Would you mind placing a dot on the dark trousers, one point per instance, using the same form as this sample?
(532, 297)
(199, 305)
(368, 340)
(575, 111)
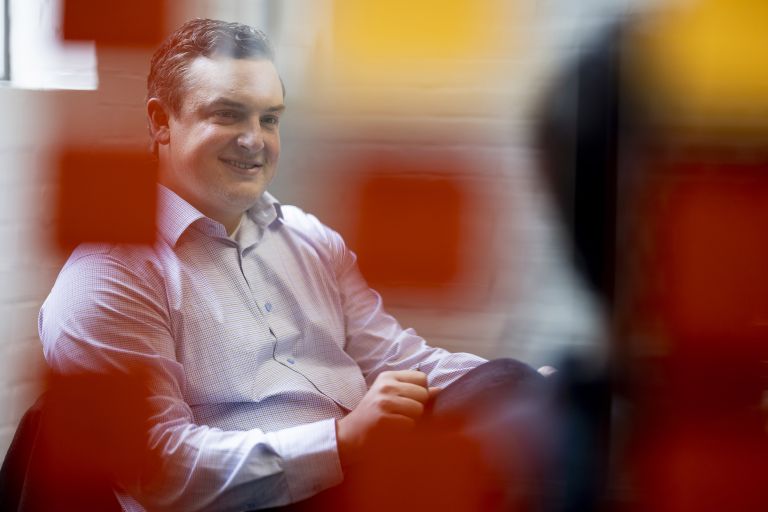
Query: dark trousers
(482, 445)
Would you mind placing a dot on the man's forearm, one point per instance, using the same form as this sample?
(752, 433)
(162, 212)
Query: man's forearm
(203, 468)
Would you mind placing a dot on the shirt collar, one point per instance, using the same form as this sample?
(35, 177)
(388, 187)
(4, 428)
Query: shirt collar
(175, 215)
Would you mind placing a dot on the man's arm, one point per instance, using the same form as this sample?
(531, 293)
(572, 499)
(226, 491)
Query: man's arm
(401, 370)
(102, 316)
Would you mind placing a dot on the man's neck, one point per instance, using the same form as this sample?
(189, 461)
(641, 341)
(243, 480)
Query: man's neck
(233, 227)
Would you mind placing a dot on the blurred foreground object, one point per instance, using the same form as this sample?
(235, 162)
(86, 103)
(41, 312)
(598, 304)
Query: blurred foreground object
(397, 30)
(138, 23)
(105, 196)
(409, 230)
(84, 435)
(694, 315)
(699, 63)
(656, 148)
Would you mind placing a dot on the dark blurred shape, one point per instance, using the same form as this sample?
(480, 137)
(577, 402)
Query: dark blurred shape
(668, 223)
(105, 196)
(137, 23)
(84, 434)
(409, 223)
(581, 123)
(578, 136)
(583, 406)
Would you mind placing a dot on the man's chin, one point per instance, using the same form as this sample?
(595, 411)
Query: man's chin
(245, 195)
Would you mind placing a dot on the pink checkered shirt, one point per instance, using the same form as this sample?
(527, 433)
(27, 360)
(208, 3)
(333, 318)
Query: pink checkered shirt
(256, 345)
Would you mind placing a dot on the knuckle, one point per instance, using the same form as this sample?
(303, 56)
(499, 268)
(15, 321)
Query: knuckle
(388, 388)
(389, 405)
(384, 404)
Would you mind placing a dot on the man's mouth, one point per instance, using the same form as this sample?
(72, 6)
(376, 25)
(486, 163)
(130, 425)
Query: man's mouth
(242, 165)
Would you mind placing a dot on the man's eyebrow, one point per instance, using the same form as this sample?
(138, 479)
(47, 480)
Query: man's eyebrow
(226, 102)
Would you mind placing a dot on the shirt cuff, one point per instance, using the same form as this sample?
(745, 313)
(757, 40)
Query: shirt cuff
(310, 458)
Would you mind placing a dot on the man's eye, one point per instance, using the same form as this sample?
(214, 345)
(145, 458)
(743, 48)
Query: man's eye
(270, 120)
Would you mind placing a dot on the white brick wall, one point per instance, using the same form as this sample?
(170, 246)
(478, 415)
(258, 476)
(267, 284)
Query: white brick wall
(525, 303)
(24, 138)
(32, 125)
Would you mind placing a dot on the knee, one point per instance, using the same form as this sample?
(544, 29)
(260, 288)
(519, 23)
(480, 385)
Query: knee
(507, 373)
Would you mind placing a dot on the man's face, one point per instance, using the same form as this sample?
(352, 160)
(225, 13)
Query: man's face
(223, 145)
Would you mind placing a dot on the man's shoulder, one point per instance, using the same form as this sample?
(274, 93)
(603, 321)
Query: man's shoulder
(311, 231)
(296, 218)
(100, 255)
(307, 225)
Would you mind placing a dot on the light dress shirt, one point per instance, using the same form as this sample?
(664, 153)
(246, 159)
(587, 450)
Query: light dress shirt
(256, 346)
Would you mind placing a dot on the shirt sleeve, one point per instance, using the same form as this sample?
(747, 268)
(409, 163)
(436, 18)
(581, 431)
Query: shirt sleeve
(375, 340)
(102, 316)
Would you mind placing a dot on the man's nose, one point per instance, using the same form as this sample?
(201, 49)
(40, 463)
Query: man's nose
(251, 138)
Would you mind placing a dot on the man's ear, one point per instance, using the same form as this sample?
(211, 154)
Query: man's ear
(159, 119)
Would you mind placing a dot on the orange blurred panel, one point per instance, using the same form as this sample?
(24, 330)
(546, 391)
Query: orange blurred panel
(86, 433)
(409, 224)
(106, 196)
(99, 420)
(401, 28)
(444, 471)
(708, 464)
(712, 252)
(699, 58)
(702, 301)
(116, 23)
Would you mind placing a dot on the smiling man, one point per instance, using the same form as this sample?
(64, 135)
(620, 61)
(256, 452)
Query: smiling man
(273, 365)
(219, 147)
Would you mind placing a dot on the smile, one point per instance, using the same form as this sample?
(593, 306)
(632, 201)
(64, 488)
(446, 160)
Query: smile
(241, 165)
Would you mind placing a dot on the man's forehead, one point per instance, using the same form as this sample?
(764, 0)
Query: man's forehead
(220, 67)
(225, 76)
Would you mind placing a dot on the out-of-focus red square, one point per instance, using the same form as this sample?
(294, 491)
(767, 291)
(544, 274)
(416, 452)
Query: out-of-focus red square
(409, 227)
(711, 254)
(114, 23)
(706, 463)
(106, 196)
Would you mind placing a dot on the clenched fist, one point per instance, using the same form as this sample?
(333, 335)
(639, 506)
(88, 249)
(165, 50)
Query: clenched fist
(393, 403)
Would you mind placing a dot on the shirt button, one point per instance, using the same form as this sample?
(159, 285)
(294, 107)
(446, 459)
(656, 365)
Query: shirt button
(291, 360)
(268, 306)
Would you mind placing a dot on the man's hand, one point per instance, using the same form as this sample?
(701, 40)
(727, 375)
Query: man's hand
(392, 405)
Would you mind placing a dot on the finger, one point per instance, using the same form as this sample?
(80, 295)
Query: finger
(411, 376)
(402, 406)
(396, 388)
(434, 391)
(412, 391)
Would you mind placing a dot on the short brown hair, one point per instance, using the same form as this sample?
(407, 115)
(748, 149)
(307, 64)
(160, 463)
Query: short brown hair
(196, 38)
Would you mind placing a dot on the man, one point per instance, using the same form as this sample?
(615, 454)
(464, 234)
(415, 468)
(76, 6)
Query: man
(273, 365)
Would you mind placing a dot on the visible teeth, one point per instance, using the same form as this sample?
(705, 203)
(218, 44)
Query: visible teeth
(240, 165)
